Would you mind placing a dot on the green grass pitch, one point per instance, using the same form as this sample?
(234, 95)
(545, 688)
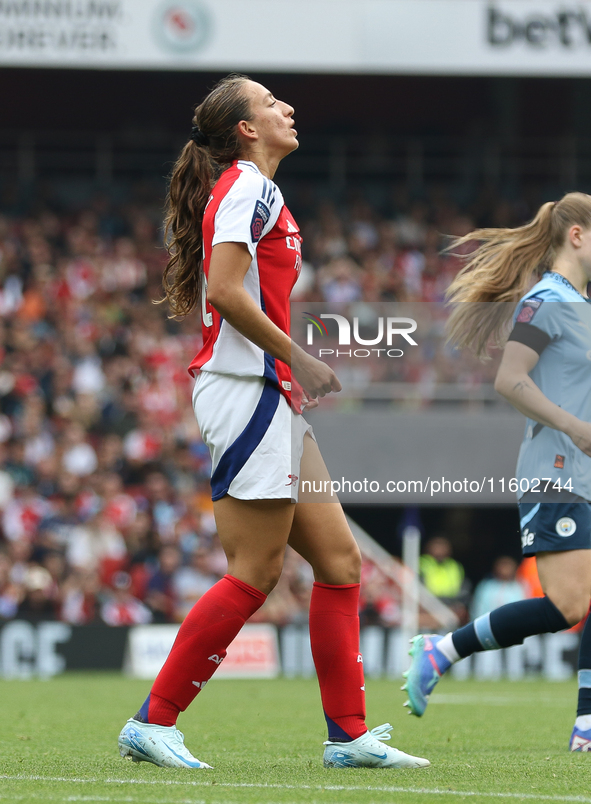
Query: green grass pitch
(486, 741)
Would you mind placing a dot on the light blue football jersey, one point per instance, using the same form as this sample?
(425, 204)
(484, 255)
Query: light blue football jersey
(563, 374)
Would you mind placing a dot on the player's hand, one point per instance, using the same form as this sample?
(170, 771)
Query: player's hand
(315, 376)
(580, 435)
(309, 404)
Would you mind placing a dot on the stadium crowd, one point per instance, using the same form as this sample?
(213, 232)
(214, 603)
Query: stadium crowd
(105, 508)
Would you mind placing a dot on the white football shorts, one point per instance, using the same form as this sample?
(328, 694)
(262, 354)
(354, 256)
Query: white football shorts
(254, 438)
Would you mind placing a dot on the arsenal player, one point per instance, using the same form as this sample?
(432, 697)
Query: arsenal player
(235, 247)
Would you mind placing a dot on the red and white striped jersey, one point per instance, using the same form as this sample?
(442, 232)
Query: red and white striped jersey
(245, 207)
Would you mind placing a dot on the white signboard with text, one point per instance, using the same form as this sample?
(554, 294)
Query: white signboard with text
(471, 37)
(253, 654)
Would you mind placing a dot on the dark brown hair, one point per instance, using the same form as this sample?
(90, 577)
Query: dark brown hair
(501, 269)
(191, 182)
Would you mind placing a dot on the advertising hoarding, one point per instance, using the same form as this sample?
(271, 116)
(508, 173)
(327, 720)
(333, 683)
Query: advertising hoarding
(463, 37)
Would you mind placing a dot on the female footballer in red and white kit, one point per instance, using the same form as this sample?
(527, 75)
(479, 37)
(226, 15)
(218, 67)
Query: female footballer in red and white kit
(235, 247)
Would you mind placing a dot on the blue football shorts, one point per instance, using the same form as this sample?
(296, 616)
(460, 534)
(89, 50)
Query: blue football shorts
(555, 526)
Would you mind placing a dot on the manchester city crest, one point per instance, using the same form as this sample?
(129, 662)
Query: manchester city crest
(566, 526)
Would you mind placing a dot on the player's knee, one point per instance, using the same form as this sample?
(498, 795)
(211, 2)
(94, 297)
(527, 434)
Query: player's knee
(349, 565)
(262, 572)
(354, 562)
(574, 609)
(338, 567)
(271, 574)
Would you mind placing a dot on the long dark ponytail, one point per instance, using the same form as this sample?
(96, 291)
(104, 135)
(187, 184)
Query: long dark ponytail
(214, 145)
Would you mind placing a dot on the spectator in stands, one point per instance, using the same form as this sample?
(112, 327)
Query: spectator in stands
(101, 462)
(160, 593)
(340, 281)
(379, 603)
(9, 591)
(191, 582)
(80, 604)
(121, 607)
(443, 575)
(38, 602)
(502, 587)
(281, 606)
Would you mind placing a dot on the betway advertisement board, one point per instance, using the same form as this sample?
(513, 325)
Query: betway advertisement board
(469, 37)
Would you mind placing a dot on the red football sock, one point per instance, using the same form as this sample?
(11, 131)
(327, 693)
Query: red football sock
(334, 635)
(200, 647)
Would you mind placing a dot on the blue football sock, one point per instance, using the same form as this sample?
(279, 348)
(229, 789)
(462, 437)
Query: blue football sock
(335, 733)
(509, 625)
(584, 706)
(142, 714)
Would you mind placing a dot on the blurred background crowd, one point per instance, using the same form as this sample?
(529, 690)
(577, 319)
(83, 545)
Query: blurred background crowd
(105, 508)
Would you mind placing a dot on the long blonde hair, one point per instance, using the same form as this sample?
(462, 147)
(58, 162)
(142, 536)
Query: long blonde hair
(501, 269)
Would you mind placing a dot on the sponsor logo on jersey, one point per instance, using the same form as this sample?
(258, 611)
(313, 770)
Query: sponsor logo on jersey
(294, 243)
(559, 462)
(260, 217)
(293, 479)
(215, 658)
(528, 310)
(527, 539)
(566, 526)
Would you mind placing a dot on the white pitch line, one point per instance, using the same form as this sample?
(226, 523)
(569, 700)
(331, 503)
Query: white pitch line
(118, 800)
(319, 787)
(494, 700)
(126, 800)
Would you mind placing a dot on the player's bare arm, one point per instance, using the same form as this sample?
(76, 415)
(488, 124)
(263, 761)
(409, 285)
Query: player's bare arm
(514, 383)
(225, 291)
